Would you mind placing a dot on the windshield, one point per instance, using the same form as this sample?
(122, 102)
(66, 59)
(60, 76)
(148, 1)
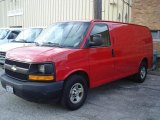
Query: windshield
(28, 35)
(66, 34)
(3, 33)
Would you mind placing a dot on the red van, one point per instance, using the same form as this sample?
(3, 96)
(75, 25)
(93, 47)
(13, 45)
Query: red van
(71, 57)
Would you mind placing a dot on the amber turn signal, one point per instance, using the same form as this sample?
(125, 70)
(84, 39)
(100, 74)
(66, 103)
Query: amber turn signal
(41, 78)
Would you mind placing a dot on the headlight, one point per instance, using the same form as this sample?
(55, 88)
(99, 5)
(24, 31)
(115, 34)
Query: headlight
(42, 72)
(41, 68)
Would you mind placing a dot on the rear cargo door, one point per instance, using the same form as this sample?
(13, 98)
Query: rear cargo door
(126, 50)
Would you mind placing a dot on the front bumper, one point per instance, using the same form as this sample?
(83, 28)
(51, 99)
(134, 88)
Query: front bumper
(33, 91)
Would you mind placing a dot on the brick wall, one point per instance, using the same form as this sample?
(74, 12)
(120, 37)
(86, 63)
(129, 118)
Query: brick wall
(147, 13)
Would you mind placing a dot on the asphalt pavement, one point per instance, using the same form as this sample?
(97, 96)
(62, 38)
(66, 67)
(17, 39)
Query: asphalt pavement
(119, 100)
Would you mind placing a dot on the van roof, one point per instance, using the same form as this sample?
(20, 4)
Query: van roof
(97, 20)
(43, 27)
(13, 28)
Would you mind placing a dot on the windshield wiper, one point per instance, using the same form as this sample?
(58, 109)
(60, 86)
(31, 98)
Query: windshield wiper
(20, 40)
(50, 44)
(36, 43)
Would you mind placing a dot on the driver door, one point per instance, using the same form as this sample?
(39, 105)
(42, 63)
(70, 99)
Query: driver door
(101, 59)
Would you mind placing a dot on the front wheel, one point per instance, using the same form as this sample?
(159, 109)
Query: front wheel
(74, 92)
(142, 73)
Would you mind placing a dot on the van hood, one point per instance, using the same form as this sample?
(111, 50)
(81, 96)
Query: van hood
(3, 41)
(38, 54)
(8, 46)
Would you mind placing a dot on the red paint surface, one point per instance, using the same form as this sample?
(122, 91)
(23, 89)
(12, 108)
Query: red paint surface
(131, 43)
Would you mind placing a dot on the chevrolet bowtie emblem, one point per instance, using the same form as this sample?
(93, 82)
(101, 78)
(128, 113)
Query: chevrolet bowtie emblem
(13, 68)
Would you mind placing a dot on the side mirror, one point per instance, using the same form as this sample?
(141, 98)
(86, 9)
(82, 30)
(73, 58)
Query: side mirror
(96, 40)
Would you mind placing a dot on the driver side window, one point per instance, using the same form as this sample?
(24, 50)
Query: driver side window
(101, 29)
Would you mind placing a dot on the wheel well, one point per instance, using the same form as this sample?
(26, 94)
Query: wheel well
(82, 73)
(145, 61)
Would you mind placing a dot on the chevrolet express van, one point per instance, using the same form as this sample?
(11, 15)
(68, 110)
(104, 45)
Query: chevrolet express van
(25, 38)
(8, 34)
(71, 57)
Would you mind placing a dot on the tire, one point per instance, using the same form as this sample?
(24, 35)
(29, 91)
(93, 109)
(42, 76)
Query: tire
(74, 92)
(142, 73)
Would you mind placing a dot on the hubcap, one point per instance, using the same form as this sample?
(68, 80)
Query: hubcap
(76, 93)
(143, 72)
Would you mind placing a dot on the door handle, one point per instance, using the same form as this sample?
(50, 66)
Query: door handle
(113, 53)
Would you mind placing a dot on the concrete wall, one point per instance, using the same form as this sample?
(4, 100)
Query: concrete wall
(30, 13)
(44, 12)
(3, 15)
(116, 10)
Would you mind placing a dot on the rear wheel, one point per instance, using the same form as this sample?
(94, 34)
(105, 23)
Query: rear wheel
(75, 92)
(142, 73)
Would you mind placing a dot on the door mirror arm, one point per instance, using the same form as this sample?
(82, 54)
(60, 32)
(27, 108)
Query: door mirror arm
(95, 40)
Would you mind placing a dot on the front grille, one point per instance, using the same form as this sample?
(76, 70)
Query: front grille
(18, 64)
(3, 54)
(17, 73)
(2, 57)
